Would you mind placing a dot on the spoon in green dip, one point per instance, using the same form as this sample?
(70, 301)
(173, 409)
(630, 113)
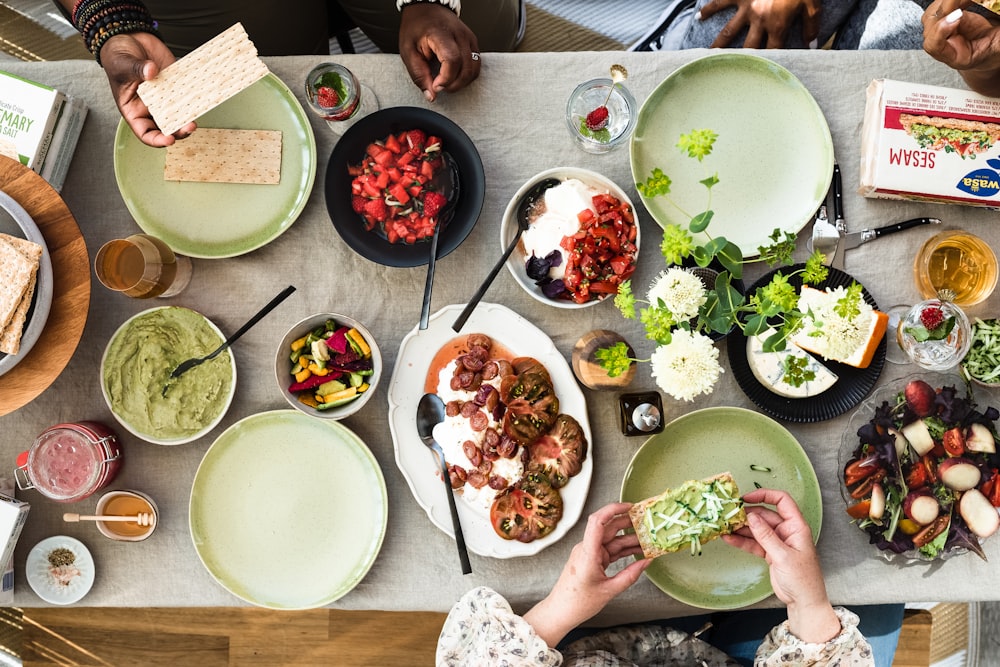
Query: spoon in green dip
(187, 365)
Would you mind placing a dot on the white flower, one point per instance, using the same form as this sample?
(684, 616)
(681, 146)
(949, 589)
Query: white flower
(687, 366)
(681, 291)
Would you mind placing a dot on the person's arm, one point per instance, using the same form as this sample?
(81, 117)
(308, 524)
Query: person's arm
(130, 52)
(965, 41)
(584, 588)
(767, 21)
(439, 51)
(481, 627)
(783, 538)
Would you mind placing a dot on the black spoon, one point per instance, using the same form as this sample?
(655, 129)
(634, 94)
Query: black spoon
(446, 182)
(523, 208)
(430, 413)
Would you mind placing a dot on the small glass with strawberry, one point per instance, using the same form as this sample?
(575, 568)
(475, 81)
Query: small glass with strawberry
(338, 97)
(601, 113)
(935, 334)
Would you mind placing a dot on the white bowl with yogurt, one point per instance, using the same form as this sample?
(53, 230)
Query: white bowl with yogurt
(549, 224)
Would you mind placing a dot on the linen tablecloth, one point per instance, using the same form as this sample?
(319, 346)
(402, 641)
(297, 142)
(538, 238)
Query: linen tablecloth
(515, 115)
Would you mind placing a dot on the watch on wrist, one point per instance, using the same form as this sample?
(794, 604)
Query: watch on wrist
(453, 5)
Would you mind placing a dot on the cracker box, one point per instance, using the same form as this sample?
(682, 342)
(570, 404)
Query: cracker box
(930, 143)
(13, 514)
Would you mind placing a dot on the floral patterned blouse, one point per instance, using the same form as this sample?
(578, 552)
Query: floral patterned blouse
(482, 629)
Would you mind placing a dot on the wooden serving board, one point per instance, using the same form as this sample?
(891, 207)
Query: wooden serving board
(70, 289)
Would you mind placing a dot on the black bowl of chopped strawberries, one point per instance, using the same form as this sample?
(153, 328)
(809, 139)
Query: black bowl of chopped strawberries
(381, 190)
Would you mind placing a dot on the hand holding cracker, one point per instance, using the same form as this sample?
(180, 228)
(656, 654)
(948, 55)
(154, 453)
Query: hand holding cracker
(129, 60)
(584, 587)
(783, 538)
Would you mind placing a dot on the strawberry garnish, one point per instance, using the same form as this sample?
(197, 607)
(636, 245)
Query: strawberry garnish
(327, 97)
(433, 202)
(931, 317)
(376, 210)
(597, 119)
(358, 203)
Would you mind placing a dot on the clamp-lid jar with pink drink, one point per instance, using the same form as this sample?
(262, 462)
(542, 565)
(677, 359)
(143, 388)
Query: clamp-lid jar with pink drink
(69, 462)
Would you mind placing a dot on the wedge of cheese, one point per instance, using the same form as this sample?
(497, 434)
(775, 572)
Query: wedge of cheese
(769, 369)
(852, 342)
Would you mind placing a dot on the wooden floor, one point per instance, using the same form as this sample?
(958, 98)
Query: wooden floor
(214, 637)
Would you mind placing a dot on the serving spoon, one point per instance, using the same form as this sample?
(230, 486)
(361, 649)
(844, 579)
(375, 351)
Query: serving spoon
(521, 216)
(430, 413)
(446, 182)
(187, 365)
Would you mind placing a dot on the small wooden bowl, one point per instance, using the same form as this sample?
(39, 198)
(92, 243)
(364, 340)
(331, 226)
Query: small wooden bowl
(586, 367)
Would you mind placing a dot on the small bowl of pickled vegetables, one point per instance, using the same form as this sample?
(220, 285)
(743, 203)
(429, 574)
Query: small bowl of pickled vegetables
(328, 366)
(982, 362)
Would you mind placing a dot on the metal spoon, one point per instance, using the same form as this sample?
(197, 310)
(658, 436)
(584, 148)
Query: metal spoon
(523, 209)
(185, 366)
(445, 182)
(430, 413)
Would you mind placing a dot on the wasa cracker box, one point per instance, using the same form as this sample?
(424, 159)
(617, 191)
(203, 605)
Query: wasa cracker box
(930, 144)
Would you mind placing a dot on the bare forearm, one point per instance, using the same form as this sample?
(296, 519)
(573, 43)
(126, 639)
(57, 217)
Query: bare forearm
(814, 623)
(550, 621)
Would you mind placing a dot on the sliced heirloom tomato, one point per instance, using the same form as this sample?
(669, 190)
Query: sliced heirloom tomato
(531, 401)
(560, 453)
(527, 511)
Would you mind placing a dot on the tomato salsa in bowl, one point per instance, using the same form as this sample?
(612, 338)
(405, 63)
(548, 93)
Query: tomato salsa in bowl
(581, 243)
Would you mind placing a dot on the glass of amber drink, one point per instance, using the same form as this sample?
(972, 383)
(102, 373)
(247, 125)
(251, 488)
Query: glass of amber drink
(142, 266)
(957, 263)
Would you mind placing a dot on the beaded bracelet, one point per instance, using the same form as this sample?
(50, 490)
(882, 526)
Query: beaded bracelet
(453, 5)
(100, 20)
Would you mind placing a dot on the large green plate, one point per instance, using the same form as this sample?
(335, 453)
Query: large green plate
(211, 220)
(774, 154)
(701, 444)
(288, 511)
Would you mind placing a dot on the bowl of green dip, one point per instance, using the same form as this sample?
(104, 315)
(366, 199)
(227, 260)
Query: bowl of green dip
(137, 364)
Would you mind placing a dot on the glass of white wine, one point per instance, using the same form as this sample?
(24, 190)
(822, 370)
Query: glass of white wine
(959, 262)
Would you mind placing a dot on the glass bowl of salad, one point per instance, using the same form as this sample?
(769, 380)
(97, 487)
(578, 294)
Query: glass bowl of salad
(581, 242)
(919, 468)
(328, 366)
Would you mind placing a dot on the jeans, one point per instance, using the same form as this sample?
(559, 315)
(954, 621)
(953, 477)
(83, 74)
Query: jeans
(738, 634)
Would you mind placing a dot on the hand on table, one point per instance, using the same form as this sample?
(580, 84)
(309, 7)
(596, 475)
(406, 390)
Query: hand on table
(584, 588)
(783, 538)
(964, 41)
(767, 21)
(128, 60)
(430, 35)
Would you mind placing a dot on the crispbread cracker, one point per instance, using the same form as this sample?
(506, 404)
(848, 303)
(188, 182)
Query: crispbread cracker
(650, 549)
(203, 79)
(15, 274)
(213, 155)
(10, 337)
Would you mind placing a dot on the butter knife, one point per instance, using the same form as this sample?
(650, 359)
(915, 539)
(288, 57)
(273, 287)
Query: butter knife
(854, 239)
(838, 218)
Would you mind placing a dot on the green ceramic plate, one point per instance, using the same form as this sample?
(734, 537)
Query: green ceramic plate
(774, 154)
(701, 444)
(288, 511)
(212, 220)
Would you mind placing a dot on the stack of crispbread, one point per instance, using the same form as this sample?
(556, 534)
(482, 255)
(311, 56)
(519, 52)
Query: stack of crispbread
(19, 259)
